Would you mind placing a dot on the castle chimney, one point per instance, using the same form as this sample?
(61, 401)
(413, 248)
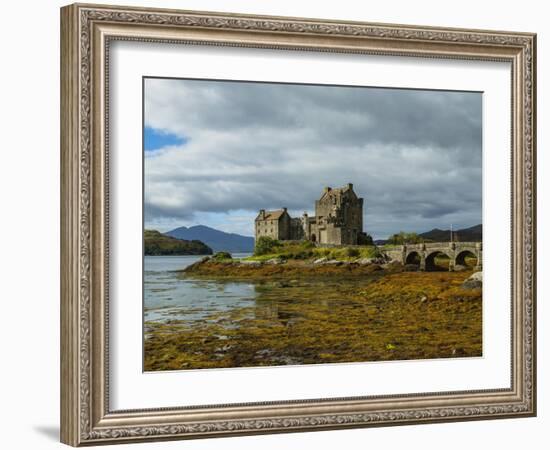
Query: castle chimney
(350, 185)
(284, 209)
(262, 213)
(327, 189)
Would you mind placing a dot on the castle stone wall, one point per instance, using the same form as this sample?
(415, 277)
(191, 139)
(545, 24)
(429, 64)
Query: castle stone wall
(338, 220)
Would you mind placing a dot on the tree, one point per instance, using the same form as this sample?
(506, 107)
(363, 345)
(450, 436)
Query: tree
(405, 238)
(364, 239)
(265, 245)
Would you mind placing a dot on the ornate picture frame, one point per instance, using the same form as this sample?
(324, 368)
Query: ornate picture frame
(87, 32)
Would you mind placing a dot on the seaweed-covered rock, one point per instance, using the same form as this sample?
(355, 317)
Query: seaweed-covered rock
(376, 260)
(196, 264)
(275, 261)
(475, 281)
(412, 268)
(392, 265)
(333, 262)
(251, 263)
(365, 261)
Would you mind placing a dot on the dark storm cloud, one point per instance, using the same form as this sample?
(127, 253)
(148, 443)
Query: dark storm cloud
(414, 155)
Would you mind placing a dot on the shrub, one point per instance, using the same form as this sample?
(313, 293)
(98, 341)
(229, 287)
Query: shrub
(364, 239)
(265, 245)
(324, 252)
(308, 244)
(352, 252)
(222, 255)
(299, 254)
(404, 238)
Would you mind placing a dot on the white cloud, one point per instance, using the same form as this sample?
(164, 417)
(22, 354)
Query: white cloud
(415, 156)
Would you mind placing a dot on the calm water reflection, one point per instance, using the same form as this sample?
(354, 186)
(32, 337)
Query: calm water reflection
(169, 297)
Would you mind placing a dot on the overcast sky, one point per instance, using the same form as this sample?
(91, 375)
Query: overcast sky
(216, 152)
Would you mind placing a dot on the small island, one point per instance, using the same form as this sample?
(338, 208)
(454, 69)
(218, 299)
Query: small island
(158, 244)
(273, 259)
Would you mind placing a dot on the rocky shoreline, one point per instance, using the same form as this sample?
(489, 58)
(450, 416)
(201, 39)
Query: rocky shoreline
(225, 268)
(324, 313)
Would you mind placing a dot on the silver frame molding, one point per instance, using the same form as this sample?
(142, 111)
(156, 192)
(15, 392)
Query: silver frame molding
(86, 32)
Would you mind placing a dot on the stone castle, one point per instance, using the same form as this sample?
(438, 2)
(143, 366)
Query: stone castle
(338, 220)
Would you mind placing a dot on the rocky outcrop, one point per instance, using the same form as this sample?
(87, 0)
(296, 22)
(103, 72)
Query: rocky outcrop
(275, 261)
(365, 261)
(475, 281)
(333, 262)
(251, 263)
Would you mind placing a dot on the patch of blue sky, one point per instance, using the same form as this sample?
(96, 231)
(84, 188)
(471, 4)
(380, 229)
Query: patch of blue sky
(155, 139)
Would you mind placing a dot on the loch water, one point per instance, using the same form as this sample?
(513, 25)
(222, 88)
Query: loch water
(169, 296)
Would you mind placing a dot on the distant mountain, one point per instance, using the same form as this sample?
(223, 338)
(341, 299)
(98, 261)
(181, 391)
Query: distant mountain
(216, 239)
(156, 244)
(472, 234)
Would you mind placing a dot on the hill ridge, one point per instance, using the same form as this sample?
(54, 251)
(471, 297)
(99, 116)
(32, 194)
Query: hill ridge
(216, 239)
(157, 244)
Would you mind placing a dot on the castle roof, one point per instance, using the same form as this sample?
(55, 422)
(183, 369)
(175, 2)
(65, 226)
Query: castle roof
(272, 215)
(336, 192)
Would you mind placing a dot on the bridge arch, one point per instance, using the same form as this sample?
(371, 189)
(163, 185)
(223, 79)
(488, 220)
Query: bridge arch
(413, 257)
(430, 259)
(457, 252)
(466, 253)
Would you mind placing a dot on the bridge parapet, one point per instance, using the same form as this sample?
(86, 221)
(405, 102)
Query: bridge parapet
(430, 245)
(456, 251)
(466, 245)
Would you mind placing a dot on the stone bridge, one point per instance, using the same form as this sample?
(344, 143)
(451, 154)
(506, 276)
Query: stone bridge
(427, 252)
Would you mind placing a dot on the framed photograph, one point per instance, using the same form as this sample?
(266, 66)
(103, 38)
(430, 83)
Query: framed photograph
(276, 224)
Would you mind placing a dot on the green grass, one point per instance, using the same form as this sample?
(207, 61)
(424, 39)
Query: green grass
(307, 251)
(222, 256)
